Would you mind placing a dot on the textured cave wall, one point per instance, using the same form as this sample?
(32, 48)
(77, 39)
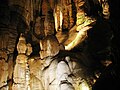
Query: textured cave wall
(110, 78)
(58, 35)
(13, 21)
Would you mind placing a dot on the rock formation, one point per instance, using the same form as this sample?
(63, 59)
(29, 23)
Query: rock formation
(54, 44)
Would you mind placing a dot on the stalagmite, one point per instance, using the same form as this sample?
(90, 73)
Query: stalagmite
(21, 74)
(63, 72)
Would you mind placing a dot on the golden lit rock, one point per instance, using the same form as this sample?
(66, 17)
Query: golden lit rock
(49, 26)
(56, 44)
(49, 47)
(3, 73)
(21, 46)
(29, 49)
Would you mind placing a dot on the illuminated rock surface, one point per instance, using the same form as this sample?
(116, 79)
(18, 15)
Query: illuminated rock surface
(57, 44)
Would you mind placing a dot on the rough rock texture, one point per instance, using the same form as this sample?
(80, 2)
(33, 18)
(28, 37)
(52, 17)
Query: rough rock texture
(21, 75)
(4, 73)
(54, 44)
(56, 74)
(49, 47)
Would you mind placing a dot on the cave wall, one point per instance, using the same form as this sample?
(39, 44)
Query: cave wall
(42, 40)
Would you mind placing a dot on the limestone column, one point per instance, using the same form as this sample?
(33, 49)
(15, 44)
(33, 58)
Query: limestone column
(21, 74)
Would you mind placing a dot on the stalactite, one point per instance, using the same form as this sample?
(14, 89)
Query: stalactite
(58, 15)
(49, 26)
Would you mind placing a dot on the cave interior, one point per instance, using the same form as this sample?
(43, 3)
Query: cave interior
(39, 35)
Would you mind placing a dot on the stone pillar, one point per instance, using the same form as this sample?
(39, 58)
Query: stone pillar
(35, 66)
(64, 80)
(21, 75)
